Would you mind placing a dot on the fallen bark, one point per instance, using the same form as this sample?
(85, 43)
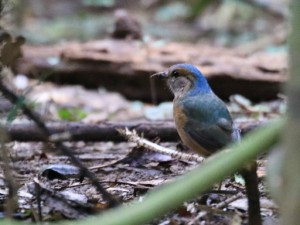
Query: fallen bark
(125, 66)
(106, 131)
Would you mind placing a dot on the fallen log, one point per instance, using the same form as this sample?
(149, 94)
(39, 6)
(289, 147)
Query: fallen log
(125, 67)
(106, 131)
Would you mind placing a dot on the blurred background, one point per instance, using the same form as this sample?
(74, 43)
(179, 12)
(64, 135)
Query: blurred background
(114, 46)
(229, 23)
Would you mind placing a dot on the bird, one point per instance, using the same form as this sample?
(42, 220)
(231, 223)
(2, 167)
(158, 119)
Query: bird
(202, 119)
(204, 123)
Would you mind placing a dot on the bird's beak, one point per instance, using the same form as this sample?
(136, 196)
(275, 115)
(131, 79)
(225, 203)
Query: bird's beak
(160, 75)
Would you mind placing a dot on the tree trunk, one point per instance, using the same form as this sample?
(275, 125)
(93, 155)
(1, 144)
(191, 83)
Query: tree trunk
(290, 198)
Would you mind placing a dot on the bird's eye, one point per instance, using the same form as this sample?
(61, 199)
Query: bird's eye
(175, 73)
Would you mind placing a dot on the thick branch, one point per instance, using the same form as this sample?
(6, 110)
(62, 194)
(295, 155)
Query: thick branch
(107, 131)
(103, 62)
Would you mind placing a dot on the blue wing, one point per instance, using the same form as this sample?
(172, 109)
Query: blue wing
(211, 137)
(209, 123)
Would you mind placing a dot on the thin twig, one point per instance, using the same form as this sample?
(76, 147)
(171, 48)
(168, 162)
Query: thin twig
(228, 200)
(12, 199)
(141, 142)
(38, 199)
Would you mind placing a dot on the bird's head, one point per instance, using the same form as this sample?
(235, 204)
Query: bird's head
(185, 79)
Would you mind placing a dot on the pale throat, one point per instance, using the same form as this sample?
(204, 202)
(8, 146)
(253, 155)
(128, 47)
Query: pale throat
(180, 86)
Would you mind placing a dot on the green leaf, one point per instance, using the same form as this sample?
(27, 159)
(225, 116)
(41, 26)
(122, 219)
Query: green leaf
(71, 114)
(14, 111)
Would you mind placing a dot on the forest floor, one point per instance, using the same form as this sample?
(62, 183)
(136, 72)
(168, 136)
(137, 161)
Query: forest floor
(123, 169)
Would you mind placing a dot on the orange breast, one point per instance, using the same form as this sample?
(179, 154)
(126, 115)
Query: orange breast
(180, 121)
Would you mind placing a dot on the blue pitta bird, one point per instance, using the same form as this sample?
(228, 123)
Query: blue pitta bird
(204, 123)
(202, 119)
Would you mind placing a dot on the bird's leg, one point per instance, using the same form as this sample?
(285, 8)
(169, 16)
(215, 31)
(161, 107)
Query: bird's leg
(251, 180)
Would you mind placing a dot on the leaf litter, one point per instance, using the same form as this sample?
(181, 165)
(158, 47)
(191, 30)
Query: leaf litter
(125, 171)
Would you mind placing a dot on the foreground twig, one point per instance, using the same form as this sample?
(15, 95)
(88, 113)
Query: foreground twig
(141, 142)
(59, 145)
